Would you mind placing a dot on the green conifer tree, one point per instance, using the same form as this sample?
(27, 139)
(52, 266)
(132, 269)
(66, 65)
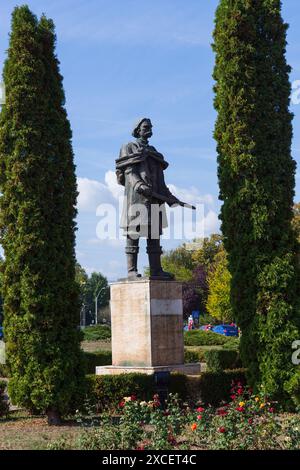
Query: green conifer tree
(38, 185)
(257, 178)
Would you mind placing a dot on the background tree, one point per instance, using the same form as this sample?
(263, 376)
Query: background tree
(218, 280)
(97, 284)
(296, 220)
(37, 224)
(257, 178)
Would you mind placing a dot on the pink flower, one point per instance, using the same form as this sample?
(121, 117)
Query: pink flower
(240, 391)
(200, 409)
(233, 397)
(271, 410)
(199, 417)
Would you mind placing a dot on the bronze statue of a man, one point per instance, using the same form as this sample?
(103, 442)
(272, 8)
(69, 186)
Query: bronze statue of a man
(140, 169)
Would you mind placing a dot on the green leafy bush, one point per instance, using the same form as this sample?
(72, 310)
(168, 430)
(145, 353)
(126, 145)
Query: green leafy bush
(106, 391)
(232, 343)
(4, 408)
(97, 358)
(215, 387)
(4, 370)
(203, 338)
(109, 390)
(96, 333)
(219, 359)
(191, 356)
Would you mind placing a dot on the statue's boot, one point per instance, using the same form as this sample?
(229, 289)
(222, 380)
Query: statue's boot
(154, 251)
(132, 266)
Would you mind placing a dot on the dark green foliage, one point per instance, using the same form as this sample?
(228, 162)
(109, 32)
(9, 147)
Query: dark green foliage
(219, 359)
(98, 358)
(215, 387)
(190, 356)
(109, 390)
(37, 224)
(232, 343)
(4, 372)
(96, 332)
(203, 338)
(257, 178)
(4, 408)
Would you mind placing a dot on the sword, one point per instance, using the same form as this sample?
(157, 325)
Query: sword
(163, 198)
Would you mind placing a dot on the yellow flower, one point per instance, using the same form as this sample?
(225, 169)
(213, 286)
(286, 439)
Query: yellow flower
(256, 399)
(262, 405)
(241, 403)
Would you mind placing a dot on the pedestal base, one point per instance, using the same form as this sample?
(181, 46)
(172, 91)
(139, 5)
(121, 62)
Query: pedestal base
(147, 328)
(188, 369)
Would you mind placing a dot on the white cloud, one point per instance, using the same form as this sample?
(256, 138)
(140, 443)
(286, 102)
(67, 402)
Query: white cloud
(92, 193)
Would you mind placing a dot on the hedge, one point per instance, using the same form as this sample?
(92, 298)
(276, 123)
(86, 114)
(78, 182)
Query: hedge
(4, 408)
(204, 338)
(97, 358)
(214, 387)
(106, 391)
(219, 359)
(96, 333)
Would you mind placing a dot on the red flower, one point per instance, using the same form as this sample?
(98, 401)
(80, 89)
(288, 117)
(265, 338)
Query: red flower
(222, 429)
(122, 404)
(233, 397)
(250, 420)
(200, 409)
(240, 391)
(133, 397)
(271, 410)
(240, 408)
(222, 412)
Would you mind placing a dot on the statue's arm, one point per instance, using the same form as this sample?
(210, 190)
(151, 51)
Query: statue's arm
(135, 181)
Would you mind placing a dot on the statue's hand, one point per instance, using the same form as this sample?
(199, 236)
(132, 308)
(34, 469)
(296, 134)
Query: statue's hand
(173, 200)
(144, 190)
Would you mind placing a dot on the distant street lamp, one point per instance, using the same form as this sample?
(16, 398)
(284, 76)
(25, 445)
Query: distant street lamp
(96, 304)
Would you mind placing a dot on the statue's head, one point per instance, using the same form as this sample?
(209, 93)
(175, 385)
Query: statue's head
(143, 128)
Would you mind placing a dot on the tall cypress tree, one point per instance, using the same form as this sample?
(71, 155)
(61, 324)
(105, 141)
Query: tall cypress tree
(257, 178)
(37, 223)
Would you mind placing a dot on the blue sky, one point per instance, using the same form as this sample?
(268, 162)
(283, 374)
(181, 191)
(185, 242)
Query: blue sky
(123, 59)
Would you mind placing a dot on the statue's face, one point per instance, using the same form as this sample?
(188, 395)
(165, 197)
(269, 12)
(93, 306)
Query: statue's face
(145, 129)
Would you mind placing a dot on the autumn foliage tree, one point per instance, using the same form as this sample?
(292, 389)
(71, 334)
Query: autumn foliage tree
(257, 179)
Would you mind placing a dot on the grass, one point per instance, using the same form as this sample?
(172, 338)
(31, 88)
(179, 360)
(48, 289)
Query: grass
(22, 431)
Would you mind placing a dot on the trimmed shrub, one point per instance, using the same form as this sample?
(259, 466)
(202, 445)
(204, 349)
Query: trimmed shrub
(4, 370)
(37, 225)
(214, 387)
(96, 333)
(257, 185)
(233, 343)
(203, 338)
(4, 408)
(191, 356)
(219, 359)
(108, 390)
(97, 358)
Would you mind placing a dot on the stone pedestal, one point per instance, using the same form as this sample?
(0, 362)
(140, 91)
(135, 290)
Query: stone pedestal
(147, 328)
